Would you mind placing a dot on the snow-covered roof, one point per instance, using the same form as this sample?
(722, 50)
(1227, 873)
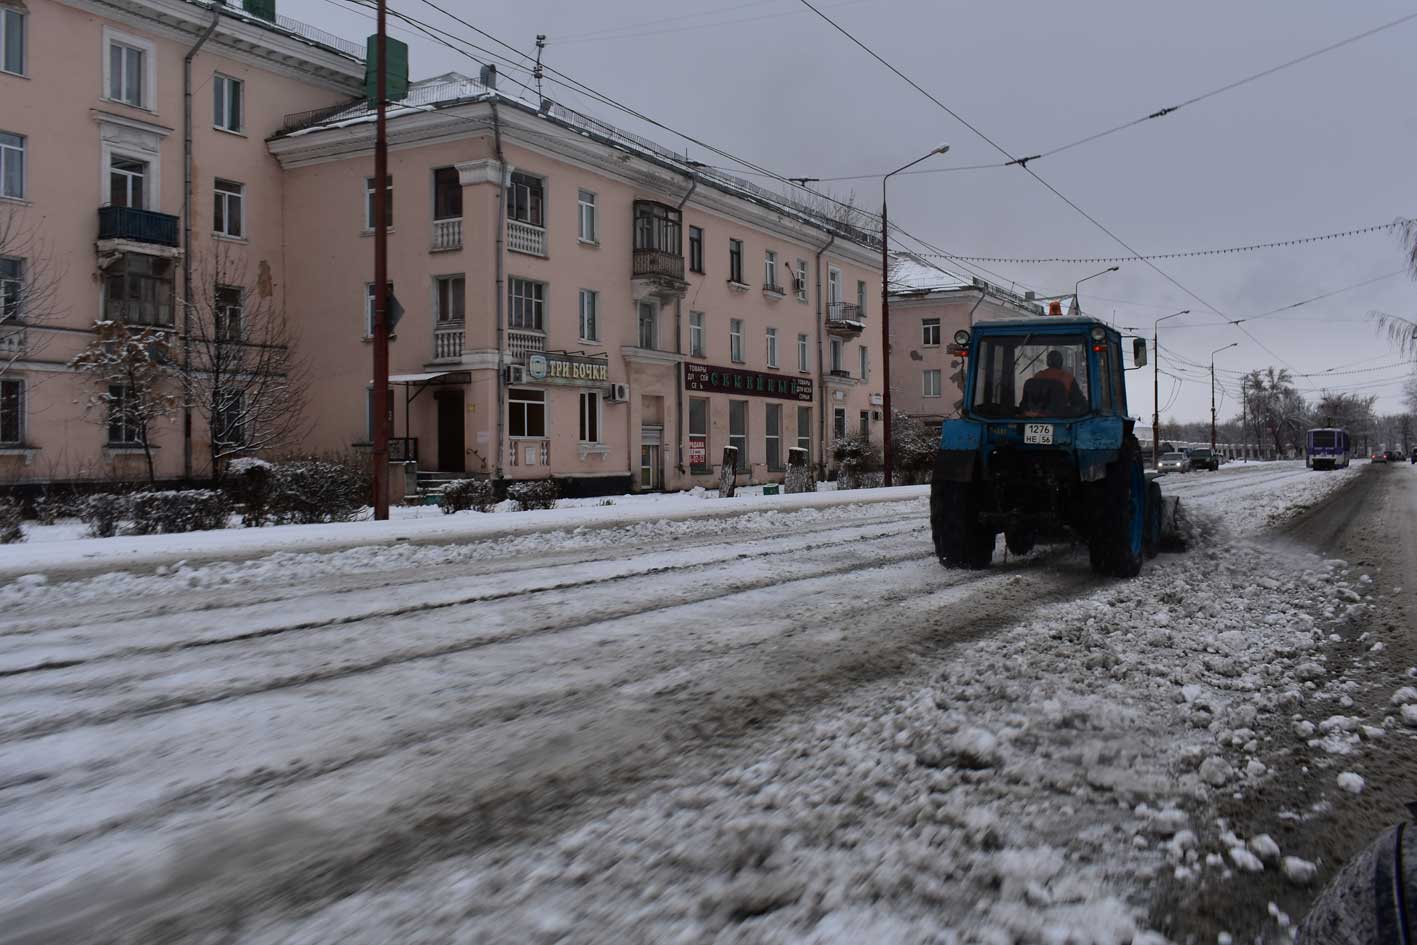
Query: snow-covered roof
(912, 273)
(453, 89)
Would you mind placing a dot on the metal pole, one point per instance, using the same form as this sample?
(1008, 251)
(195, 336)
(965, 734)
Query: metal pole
(381, 279)
(1155, 397)
(1244, 421)
(1212, 403)
(889, 453)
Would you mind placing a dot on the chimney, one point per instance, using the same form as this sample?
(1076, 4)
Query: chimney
(488, 77)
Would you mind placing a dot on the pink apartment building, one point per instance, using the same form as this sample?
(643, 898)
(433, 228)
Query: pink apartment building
(577, 302)
(928, 305)
(93, 161)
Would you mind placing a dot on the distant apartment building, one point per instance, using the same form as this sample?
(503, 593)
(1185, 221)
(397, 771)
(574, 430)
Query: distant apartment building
(578, 302)
(928, 306)
(106, 203)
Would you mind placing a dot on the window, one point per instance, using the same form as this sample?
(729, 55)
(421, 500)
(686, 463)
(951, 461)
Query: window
(735, 340)
(12, 411)
(227, 111)
(369, 202)
(12, 165)
(772, 435)
(227, 215)
(772, 347)
(735, 261)
(865, 424)
(696, 334)
(865, 362)
(369, 306)
(861, 297)
(834, 285)
(738, 431)
(799, 280)
(802, 354)
(447, 194)
(528, 303)
(450, 297)
(369, 411)
(698, 435)
(585, 205)
(590, 417)
(229, 420)
(1007, 378)
(127, 74)
(930, 332)
(657, 228)
(227, 315)
(804, 430)
(526, 413)
(837, 352)
(526, 202)
(839, 423)
(932, 383)
(770, 270)
(12, 41)
(127, 182)
(138, 290)
(123, 427)
(648, 325)
(588, 328)
(12, 286)
(696, 249)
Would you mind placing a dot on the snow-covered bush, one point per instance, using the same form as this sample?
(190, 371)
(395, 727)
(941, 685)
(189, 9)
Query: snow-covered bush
(103, 512)
(10, 515)
(535, 493)
(856, 458)
(913, 448)
(51, 507)
(169, 512)
(249, 482)
(800, 476)
(309, 491)
(476, 494)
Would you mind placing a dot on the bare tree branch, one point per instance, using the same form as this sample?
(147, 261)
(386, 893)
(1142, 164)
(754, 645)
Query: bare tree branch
(30, 277)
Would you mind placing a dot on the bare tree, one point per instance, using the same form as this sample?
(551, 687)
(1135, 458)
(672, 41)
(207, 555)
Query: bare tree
(30, 276)
(138, 384)
(1409, 394)
(1275, 406)
(1402, 332)
(245, 382)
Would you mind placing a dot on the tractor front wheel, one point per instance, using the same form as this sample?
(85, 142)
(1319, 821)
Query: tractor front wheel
(961, 540)
(1118, 542)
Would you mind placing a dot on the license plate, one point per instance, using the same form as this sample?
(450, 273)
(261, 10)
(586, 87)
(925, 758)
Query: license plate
(1039, 433)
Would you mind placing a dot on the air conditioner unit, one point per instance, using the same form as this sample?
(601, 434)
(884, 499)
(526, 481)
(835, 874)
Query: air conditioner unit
(618, 393)
(516, 374)
(798, 285)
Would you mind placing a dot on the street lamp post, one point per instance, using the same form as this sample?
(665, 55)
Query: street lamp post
(888, 452)
(1077, 306)
(1156, 386)
(1212, 390)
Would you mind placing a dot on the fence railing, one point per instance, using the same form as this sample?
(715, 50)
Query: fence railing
(447, 234)
(525, 238)
(658, 263)
(522, 343)
(140, 226)
(448, 341)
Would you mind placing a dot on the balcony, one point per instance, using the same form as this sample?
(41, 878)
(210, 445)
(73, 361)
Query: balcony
(525, 238)
(448, 341)
(774, 291)
(522, 343)
(657, 274)
(137, 226)
(447, 235)
(844, 319)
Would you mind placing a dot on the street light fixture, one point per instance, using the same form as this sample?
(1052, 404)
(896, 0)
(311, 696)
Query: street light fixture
(1212, 390)
(888, 452)
(1156, 386)
(1076, 305)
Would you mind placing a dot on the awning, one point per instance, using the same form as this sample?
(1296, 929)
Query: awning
(420, 378)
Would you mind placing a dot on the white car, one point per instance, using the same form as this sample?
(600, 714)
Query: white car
(1174, 462)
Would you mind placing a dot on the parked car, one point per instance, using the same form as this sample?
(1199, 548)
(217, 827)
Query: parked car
(1174, 462)
(1204, 459)
(1378, 458)
(1394, 456)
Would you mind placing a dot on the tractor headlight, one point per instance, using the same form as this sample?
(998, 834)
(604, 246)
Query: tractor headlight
(961, 337)
(1098, 333)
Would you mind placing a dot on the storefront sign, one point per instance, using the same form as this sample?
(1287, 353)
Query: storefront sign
(566, 369)
(698, 451)
(718, 380)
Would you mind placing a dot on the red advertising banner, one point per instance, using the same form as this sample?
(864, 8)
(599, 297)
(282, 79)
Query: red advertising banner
(698, 452)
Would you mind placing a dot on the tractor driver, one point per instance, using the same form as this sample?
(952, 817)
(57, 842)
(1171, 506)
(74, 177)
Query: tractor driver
(1053, 391)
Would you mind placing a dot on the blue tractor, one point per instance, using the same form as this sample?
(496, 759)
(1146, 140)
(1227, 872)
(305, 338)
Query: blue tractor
(1044, 448)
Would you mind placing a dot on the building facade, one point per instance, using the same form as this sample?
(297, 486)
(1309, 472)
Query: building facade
(576, 302)
(98, 222)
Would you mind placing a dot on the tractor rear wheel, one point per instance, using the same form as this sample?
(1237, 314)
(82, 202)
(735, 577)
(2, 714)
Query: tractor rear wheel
(961, 540)
(1117, 545)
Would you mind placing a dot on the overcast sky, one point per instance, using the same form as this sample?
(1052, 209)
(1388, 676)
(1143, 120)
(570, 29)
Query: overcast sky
(1327, 145)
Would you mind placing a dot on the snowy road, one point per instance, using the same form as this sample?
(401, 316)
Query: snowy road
(344, 746)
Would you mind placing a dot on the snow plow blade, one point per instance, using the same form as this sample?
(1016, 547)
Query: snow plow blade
(1175, 531)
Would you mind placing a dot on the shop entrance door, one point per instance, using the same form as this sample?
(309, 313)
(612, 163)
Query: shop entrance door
(452, 443)
(650, 455)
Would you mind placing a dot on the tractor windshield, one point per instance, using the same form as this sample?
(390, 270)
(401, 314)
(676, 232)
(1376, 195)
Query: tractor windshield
(1034, 375)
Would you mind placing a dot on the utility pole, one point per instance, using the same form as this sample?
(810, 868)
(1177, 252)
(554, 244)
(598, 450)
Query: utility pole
(1244, 420)
(1156, 386)
(1212, 390)
(381, 274)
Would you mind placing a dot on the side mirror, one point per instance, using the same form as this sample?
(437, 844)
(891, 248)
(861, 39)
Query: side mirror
(1139, 352)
